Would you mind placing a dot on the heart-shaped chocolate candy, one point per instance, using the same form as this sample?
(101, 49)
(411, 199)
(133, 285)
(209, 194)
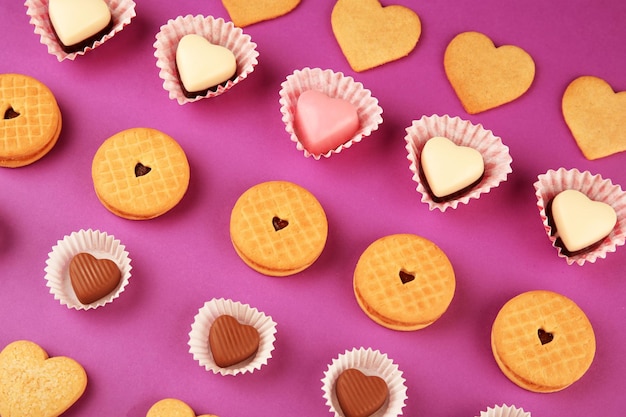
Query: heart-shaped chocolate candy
(360, 395)
(484, 76)
(232, 342)
(323, 123)
(77, 20)
(596, 116)
(93, 278)
(32, 384)
(579, 221)
(202, 65)
(448, 167)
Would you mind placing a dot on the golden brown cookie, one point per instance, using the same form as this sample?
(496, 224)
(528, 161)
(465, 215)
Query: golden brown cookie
(171, 407)
(371, 35)
(33, 384)
(596, 116)
(278, 228)
(542, 341)
(484, 76)
(246, 12)
(140, 173)
(30, 120)
(404, 282)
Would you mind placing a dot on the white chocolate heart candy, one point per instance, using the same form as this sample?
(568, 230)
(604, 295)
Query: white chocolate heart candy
(202, 65)
(581, 222)
(77, 20)
(449, 167)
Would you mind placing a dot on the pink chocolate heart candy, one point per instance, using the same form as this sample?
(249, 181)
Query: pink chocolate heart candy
(323, 123)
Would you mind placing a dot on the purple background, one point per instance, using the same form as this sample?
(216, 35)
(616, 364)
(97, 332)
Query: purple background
(135, 350)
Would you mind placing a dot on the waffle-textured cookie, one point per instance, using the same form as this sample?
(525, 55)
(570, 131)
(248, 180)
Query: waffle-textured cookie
(542, 341)
(33, 384)
(404, 282)
(30, 120)
(140, 173)
(278, 228)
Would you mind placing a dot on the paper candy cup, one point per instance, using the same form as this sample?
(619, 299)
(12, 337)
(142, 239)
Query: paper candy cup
(98, 244)
(334, 85)
(595, 188)
(122, 12)
(218, 32)
(463, 133)
(199, 335)
(504, 411)
(370, 362)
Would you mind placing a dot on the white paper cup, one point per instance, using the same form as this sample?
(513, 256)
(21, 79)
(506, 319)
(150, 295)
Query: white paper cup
(495, 154)
(596, 188)
(99, 245)
(369, 362)
(334, 85)
(122, 12)
(504, 411)
(199, 335)
(216, 31)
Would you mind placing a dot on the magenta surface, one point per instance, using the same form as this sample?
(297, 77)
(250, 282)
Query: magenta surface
(135, 350)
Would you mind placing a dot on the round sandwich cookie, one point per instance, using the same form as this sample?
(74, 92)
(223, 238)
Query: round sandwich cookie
(30, 120)
(140, 173)
(542, 341)
(278, 228)
(404, 282)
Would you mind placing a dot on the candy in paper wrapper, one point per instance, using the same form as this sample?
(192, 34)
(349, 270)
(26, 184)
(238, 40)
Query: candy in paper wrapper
(98, 244)
(199, 335)
(217, 32)
(504, 411)
(495, 154)
(122, 12)
(335, 85)
(370, 363)
(595, 188)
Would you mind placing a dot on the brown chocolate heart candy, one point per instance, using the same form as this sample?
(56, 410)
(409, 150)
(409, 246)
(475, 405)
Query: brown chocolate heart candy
(232, 342)
(93, 278)
(360, 395)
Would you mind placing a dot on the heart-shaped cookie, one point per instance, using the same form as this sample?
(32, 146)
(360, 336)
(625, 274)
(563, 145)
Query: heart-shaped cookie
(232, 342)
(323, 123)
(77, 20)
(247, 12)
(171, 407)
(360, 395)
(579, 221)
(32, 384)
(93, 278)
(370, 35)
(596, 116)
(484, 76)
(448, 167)
(202, 65)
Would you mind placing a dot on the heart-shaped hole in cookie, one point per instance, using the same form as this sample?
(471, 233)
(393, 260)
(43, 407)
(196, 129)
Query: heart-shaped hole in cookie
(279, 223)
(141, 169)
(10, 113)
(406, 277)
(544, 337)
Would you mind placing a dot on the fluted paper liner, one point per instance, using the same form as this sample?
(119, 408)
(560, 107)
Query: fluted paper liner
(595, 188)
(334, 85)
(504, 411)
(199, 335)
(216, 31)
(369, 362)
(495, 154)
(99, 245)
(122, 12)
